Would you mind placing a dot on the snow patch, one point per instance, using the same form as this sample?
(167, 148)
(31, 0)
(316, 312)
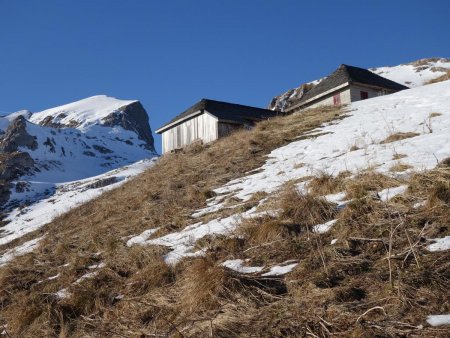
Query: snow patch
(237, 265)
(53, 277)
(19, 250)
(182, 242)
(279, 270)
(441, 244)
(371, 121)
(325, 227)
(413, 75)
(438, 320)
(140, 239)
(336, 198)
(389, 193)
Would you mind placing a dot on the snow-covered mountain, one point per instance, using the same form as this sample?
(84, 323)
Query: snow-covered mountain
(413, 74)
(86, 115)
(72, 148)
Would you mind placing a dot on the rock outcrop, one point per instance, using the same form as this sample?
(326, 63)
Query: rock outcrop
(132, 117)
(14, 165)
(5, 191)
(16, 136)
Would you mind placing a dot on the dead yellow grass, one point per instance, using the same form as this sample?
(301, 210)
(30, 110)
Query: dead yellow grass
(327, 294)
(266, 229)
(325, 184)
(435, 114)
(377, 280)
(164, 196)
(441, 78)
(304, 209)
(368, 183)
(398, 137)
(357, 287)
(203, 285)
(399, 167)
(398, 156)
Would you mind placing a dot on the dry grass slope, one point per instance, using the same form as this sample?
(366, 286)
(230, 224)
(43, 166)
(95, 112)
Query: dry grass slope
(165, 196)
(377, 280)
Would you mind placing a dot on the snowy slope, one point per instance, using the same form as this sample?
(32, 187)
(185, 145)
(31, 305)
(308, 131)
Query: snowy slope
(65, 196)
(423, 110)
(67, 154)
(369, 123)
(415, 73)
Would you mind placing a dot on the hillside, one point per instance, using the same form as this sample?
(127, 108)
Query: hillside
(416, 73)
(330, 222)
(412, 74)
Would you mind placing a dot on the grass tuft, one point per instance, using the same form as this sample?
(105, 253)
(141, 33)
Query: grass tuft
(304, 209)
(204, 285)
(398, 137)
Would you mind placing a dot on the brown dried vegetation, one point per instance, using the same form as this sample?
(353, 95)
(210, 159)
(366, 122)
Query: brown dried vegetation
(377, 280)
(443, 77)
(399, 166)
(398, 137)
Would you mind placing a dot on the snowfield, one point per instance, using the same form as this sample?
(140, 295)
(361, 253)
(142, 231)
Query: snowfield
(413, 74)
(424, 111)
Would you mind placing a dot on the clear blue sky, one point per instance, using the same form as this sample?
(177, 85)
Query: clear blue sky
(169, 54)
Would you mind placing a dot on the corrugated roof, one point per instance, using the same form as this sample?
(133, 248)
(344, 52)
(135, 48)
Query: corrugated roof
(346, 73)
(224, 111)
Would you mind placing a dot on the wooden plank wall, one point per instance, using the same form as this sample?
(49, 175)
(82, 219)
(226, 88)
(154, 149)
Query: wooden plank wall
(202, 127)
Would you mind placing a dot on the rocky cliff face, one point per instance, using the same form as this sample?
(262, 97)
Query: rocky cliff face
(285, 100)
(14, 165)
(132, 117)
(16, 136)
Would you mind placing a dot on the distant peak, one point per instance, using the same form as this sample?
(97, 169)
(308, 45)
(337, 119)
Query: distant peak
(82, 113)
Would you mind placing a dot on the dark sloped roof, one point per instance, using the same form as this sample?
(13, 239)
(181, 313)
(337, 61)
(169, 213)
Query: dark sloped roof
(346, 73)
(224, 111)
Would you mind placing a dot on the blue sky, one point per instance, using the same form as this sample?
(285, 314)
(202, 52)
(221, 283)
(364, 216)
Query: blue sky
(169, 54)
